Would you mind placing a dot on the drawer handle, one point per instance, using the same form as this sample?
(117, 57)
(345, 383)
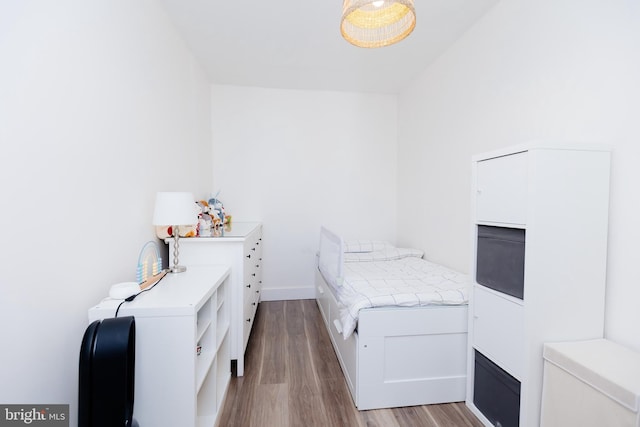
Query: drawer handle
(257, 265)
(249, 285)
(253, 303)
(249, 256)
(253, 274)
(249, 320)
(257, 292)
(253, 249)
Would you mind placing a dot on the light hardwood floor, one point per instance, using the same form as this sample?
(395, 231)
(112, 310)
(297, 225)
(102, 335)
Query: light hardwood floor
(293, 378)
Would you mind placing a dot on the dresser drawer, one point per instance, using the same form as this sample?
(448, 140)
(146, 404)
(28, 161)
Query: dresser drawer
(250, 260)
(498, 325)
(248, 324)
(252, 285)
(257, 293)
(253, 246)
(251, 268)
(250, 306)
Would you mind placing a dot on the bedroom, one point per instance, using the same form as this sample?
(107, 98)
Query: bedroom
(94, 103)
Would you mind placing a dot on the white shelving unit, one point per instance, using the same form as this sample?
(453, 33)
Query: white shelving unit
(183, 364)
(559, 196)
(241, 248)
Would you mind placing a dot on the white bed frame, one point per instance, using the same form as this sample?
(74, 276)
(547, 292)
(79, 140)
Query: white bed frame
(399, 356)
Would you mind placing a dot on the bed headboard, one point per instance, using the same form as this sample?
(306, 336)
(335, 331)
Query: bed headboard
(330, 257)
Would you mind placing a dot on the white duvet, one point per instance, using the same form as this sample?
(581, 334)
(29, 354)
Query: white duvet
(408, 281)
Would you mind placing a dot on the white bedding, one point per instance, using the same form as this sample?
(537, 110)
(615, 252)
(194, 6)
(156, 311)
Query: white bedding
(407, 281)
(386, 253)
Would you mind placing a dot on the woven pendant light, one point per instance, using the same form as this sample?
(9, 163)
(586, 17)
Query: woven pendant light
(377, 23)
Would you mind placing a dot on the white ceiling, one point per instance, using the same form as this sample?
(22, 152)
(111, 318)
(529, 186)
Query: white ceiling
(296, 44)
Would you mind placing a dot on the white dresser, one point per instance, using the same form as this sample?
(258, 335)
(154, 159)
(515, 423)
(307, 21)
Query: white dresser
(540, 218)
(241, 248)
(182, 360)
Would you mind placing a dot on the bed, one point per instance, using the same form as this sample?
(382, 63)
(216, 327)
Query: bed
(398, 323)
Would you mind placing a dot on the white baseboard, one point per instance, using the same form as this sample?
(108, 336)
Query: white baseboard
(281, 294)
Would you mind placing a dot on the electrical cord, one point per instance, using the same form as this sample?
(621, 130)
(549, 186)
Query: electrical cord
(134, 296)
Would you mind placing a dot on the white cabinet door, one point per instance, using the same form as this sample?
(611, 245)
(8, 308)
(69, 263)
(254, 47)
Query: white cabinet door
(498, 325)
(502, 189)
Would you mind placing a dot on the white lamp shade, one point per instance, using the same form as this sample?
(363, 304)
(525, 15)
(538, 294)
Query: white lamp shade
(174, 208)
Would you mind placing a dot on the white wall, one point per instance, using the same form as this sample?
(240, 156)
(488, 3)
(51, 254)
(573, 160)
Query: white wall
(299, 159)
(553, 69)
(101, 105)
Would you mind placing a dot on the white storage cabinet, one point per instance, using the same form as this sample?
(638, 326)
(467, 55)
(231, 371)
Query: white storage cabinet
(556, 200)
(591, 383)
(240, 248)
(175, 384)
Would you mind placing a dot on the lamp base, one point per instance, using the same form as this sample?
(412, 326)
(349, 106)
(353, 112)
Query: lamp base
(178, 269)
(176, 244)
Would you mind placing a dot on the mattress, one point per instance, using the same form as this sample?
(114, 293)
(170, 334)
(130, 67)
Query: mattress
(406, 282)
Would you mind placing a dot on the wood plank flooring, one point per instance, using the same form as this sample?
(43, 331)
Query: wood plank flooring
(293, 378)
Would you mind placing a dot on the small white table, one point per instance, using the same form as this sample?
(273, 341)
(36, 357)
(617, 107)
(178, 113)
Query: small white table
(182, 359)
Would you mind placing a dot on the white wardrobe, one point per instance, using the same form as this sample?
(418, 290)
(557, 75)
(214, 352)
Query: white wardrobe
(540, 220)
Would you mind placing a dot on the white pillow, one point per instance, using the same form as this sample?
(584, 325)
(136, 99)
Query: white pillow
(359, 246)
(386, 254)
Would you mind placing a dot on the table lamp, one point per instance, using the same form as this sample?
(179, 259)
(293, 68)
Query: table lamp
(175, 209)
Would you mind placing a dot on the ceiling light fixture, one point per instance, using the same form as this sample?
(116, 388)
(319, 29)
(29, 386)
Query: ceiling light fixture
(377, 23)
